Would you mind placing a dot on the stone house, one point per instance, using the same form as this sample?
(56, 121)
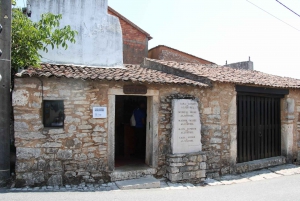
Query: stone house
(72, 115)
(84, 148)
(165, 53)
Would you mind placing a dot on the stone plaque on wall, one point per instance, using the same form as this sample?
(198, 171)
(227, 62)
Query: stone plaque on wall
(186, 126)
(134, 89)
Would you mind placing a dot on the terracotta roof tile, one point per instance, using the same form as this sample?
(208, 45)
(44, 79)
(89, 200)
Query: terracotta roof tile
(230, 75)
(132, 73)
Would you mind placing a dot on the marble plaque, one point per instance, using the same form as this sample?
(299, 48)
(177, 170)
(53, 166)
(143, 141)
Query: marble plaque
(186, 127)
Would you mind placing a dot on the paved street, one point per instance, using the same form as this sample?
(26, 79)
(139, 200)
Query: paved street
(278, 183)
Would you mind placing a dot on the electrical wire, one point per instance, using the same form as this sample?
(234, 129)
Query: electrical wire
(273, 16)
(288, 8)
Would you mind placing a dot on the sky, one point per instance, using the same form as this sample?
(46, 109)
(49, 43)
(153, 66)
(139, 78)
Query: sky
(222, 30)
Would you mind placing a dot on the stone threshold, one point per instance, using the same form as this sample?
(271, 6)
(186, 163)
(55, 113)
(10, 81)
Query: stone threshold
(140, 183)
(259, 164)
(135, 173)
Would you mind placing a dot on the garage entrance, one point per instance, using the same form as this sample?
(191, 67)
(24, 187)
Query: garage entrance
(258, 123)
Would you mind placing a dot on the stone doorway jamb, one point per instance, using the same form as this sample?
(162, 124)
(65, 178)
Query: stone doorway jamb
(152, 126)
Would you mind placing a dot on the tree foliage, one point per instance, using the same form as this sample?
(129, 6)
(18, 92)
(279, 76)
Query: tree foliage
(28, 38)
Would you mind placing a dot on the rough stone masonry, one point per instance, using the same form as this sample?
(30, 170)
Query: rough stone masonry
(186, 167)
(217, 121)
(75, 153)
(79, 151)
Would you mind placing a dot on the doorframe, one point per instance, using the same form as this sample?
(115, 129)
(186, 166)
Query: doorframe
(263, 143)
(287, 125)
(152, 126)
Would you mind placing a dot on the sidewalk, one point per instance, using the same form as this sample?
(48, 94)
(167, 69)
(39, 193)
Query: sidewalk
(269, 173)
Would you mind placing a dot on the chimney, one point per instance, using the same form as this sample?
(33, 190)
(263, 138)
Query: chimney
(246, 65)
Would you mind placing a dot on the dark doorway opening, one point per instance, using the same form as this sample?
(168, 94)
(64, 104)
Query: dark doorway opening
(130, 142)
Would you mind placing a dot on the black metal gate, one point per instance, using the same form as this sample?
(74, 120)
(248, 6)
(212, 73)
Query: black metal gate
(259, 127)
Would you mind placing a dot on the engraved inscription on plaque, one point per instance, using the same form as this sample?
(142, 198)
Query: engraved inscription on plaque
(186, 126)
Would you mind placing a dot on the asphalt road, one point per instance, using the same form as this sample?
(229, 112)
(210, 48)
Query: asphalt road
(284, 188)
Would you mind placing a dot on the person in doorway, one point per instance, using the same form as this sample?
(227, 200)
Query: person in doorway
(140, 129)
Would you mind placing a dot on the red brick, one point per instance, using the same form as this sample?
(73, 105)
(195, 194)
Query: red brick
(135, 40)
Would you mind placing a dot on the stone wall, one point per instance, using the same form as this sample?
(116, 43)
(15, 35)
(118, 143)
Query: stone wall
(79, 151)
(186, 167)
(75, 153)
(217, 123)
(297, 133)
(291, 117)
(289, 125)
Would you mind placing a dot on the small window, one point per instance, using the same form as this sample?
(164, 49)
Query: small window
(54, 113)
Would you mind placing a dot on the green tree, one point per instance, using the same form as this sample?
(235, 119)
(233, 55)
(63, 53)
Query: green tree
(28, 38)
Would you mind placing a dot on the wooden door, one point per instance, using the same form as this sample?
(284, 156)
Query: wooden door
(259, 127)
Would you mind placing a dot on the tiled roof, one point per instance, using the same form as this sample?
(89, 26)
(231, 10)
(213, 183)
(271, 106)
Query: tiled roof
(225, 74)
(165, 72)
(133, 73)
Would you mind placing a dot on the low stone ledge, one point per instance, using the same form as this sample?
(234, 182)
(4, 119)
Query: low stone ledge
(186, 167)
(189, 154)
(175, 155)
(259, 164)
(118, 175)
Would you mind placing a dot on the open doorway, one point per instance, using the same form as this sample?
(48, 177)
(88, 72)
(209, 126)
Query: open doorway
(130, 141)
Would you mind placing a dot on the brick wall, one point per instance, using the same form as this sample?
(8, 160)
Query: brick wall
(135, 43)
(169, 54)
(298, 132)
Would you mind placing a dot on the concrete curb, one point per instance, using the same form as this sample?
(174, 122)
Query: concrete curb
(268, 173)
